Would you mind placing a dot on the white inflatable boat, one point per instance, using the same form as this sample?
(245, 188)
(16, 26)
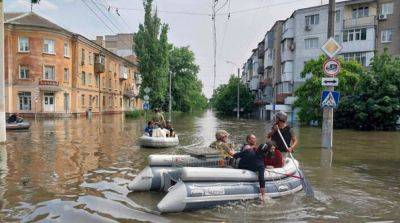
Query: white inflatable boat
(18, 126)
(158, 142)
(191, 188)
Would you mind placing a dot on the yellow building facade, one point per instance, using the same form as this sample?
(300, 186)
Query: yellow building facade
(51, 71)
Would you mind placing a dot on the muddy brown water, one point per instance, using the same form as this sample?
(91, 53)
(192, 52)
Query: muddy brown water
(77, 170)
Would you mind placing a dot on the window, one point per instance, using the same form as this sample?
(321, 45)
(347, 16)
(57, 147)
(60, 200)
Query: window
(83, 78)
(360, 57)
(337, 38)
(49, 73)
(360, 12)
(89, 81)
(66, 75)
(48, 46)
(97, 80)
(83, 56)
(311, 43)
(90, 100)
(387, 9)
(312, 19)
(90, 58)
(23, 44)
(354, 34)
(23, 72)
(386, 36)
(24, 101)
(66, 50)
(82, 100)
(97, 101)
(104, 101)
(337, 15)
(286, 88)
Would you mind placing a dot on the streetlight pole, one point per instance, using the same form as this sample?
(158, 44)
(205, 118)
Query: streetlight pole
(238, 89)
(2, 80)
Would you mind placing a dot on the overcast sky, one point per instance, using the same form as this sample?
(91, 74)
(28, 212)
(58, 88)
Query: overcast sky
(189, 21)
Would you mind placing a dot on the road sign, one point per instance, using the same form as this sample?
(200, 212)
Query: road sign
(146, 106)
(147, 90)
(330, 99)
(331, 47)
(330, 81)
(146, 97)
(331, 67)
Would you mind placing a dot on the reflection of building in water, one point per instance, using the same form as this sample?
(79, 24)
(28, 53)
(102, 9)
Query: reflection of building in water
(52, 71)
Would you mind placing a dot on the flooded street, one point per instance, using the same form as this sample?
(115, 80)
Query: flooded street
(77, 170)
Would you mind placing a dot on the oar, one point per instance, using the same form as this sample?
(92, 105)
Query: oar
(306, 185)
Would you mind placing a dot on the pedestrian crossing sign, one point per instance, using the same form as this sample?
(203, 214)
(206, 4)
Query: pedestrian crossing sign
(330, 99)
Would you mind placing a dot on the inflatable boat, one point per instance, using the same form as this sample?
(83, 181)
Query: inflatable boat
(158, 142)
(195, 187)
(18, 126)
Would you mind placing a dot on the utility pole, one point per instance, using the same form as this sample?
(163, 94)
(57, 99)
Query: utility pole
(238, 95)
(170, 97)
(2, 80)
(327, 123)
(215, 2)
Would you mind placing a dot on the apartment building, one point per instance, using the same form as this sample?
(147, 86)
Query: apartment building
(51, 71)
(388, 29)
(121, 44)
(361, 27)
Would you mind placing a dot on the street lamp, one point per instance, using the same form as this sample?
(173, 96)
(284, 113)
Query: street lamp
(238, 86)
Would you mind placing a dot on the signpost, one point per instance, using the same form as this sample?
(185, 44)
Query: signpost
(330, 81)
(331, 68)
(146, 104)
(330, 99)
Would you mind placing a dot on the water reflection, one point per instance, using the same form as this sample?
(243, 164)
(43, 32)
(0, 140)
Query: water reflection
(76, 170)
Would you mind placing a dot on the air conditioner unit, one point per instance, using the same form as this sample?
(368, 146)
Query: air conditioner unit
(382, 17)
(307, 27)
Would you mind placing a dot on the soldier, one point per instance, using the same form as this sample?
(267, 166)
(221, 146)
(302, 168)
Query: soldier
(221, 144)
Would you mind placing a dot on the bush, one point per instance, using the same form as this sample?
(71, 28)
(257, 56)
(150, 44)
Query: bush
(134, 114)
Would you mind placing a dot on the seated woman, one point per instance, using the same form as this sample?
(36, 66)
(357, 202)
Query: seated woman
(149, 128)
(251, 160)
(170, 130)
(272, 156)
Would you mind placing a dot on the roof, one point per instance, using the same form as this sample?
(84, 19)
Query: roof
(34, 20)
(31, 19)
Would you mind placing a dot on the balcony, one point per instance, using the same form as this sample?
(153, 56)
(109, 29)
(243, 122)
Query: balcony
(254, 83)
(49, 85)
(138, 79)
(265, 82)
(360, 22)
(130, 93)
(287, 55)
(287, 76)
(99, 61)
(280, 98)
(260, 102)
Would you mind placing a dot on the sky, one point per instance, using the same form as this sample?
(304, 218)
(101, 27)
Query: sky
(190, 24)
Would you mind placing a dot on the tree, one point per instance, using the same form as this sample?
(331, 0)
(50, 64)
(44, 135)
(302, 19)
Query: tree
(151, 47)
(224, 99)
(377, 99)
(186, 87)
(309, 94)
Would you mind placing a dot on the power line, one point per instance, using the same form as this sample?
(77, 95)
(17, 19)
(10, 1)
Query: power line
(97, 16)
(105, 15)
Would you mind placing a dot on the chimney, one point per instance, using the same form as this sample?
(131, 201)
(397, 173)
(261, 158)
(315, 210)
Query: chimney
(100, 41)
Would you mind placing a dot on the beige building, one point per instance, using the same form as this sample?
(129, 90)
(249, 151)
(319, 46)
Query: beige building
(388, 29)
(51, 71)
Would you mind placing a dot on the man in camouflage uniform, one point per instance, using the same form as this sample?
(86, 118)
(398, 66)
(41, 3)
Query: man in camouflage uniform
(221, 144)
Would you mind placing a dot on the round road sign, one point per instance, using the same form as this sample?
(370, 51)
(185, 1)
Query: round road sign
(331, 67)
(146, 97)
(147, 90)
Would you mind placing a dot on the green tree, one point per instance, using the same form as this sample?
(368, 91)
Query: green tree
(152, 48)
(309, 94)
(186, 87)
(377, 99)
(224, 99)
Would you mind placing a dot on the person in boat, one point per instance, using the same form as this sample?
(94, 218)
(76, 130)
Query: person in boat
(272, 156)
(158, 118)
(149, 128)
(221, 144)
(251, 159)
(170, 130)
(15, 118)
(287, 133)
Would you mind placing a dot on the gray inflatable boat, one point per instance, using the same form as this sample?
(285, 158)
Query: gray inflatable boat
(191, 188)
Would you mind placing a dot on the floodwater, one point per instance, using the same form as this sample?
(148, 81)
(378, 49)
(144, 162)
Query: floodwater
(77, 170)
